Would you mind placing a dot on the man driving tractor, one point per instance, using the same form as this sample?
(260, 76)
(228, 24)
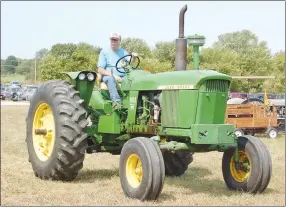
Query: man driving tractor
(106, 64)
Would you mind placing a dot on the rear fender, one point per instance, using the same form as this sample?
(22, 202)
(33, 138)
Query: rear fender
(84, 86)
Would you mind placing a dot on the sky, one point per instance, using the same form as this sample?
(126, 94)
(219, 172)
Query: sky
(27, 27)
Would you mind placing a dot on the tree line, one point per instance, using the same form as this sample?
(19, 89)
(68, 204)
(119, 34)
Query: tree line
(238, 53)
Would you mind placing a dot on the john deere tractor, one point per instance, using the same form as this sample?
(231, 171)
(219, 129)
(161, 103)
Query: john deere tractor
(165, 118)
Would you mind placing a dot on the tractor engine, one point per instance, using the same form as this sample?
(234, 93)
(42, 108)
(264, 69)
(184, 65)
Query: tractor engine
(149, 108)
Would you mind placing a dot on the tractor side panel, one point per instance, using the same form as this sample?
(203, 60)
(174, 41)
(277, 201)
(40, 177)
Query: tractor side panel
(109, 124)
(212, 134)
(98, 102)
(179, 108)
(133, 97)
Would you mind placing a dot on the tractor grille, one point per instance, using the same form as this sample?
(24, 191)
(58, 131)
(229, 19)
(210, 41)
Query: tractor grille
(215, 86)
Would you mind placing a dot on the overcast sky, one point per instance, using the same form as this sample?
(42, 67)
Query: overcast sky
(26, 27)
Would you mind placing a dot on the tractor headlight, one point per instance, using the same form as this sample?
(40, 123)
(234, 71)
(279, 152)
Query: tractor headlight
(90, 77)
(81, 76)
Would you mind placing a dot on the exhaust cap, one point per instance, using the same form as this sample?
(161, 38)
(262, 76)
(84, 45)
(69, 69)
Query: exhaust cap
(182, 21)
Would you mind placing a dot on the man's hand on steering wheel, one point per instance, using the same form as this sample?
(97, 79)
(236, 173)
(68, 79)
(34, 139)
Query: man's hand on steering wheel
(123, 65)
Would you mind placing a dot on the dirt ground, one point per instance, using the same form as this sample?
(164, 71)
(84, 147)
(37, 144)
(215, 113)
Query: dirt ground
(98, 182)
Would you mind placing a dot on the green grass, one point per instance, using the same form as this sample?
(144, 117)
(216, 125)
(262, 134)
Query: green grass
(12, 77)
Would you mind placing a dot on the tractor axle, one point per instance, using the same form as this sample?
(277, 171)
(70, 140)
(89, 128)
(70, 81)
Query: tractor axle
(40, 131)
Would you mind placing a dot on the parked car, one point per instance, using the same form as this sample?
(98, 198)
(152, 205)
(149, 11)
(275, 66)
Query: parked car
(279, 96)
(3, 94)
(238, 95)
(261, 96)
(10, 92)
(25, 90)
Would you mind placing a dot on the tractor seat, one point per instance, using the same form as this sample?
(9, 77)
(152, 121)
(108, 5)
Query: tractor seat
(103, 86)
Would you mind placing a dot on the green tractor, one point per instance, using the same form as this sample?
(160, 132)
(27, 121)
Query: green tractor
(165, 118)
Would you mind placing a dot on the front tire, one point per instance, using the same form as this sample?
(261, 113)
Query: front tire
(255, 175)
(142, 170)
(272, 133)
(56, 110)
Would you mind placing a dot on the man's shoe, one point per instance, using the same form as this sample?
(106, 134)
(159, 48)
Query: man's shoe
(117, 105)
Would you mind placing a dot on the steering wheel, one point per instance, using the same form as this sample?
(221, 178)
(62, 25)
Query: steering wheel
(128, 63)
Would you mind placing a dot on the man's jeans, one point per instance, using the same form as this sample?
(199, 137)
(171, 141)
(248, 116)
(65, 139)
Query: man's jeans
(111, 84)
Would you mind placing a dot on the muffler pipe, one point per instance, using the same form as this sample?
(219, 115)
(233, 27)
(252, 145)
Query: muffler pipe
(181, 44)
(182, 21)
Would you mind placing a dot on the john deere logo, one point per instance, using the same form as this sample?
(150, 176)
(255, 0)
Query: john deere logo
(175, 87)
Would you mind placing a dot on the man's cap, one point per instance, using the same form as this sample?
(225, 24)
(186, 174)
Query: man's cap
(115, 35)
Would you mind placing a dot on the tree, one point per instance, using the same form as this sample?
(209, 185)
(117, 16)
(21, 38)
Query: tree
(165, 51)
(239, 42)
(278, 64)
(65, 50)
(10, 64)
(41, 53)
(2, 66)
(25, 67)
(252, 57)
(89, 48)
(155, 65)
(136, 45)
(66, 58)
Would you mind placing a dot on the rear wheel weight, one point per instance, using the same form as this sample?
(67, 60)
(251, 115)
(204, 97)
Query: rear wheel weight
(250, 177)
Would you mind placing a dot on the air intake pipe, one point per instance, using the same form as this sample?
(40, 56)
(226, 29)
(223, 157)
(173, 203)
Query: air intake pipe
(181, 44)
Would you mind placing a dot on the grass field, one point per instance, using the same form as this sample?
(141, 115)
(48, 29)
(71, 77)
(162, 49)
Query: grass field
(98, 182)
(9, 78)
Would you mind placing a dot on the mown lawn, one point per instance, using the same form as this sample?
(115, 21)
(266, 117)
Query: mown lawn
(98, 182)
(14, 77)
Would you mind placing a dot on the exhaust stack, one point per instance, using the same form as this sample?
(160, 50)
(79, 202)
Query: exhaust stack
(181, 44)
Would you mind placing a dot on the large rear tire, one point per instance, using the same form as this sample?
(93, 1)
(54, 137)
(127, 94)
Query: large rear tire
(142, 171)
(255, 175)
(177, 163)
(57, 150)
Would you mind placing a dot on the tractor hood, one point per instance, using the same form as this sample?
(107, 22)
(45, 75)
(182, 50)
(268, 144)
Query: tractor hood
(188, 79)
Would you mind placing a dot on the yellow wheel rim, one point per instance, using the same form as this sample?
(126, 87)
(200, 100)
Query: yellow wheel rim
(134, 170)
(43, 132)
(240, 175)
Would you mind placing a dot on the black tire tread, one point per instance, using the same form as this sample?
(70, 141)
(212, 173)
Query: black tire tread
(257, 179)
(177, 163)
(71, 149)
(267, 165)
(156, 172)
